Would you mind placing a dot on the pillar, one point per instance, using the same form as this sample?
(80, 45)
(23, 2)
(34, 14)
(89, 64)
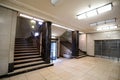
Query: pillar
(46, 41)
(75, 43)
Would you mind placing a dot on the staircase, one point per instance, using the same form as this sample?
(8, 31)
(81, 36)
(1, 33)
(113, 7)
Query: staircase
(27, 57)
(67, 44)
(81, 54)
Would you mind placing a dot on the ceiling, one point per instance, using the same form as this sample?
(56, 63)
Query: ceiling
(65, 11)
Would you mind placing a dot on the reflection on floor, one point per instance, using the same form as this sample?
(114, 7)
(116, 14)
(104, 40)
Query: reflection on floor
(87, 68)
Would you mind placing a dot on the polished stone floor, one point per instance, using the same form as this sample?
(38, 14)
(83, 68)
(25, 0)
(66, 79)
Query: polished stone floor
(87, 68)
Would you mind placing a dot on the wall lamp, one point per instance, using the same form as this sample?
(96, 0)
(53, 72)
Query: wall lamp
(95, 11)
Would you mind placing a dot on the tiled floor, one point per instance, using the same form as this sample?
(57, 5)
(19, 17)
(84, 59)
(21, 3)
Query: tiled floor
(87, 68)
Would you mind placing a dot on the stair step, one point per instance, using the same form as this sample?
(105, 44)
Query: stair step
(18, 49)
(27, 60)
(28, 69)
(18, 66)
(26, 51)
(26, 57)
(25, 54)
(25, 46)
(80, 56)
(23, 41)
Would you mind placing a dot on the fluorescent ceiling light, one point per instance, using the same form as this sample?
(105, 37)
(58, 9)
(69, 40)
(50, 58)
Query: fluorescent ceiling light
(80, 32)
(95, 11)
(82, 16)
(99, 29)
(53, 37)
(113, 27)
(111, 21)
(26, 16)
(105, 22)
(105, 8)
(93, 24)
(40, 23)
(62, 27)
(91, 13)
(40, 20)
(101, 23)
(104, 28)
(29, 17)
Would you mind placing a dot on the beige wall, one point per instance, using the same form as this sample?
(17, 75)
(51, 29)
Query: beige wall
(7, 37)
(100, 36)
(82, 42)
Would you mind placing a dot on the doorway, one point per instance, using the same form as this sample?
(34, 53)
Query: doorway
(54, 51)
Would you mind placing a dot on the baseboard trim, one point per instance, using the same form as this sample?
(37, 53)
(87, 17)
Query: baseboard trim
(90, 55)
(83, 51)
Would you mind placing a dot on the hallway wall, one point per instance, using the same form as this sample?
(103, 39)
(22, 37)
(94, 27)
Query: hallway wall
(7, 37)
(82, 42)
(100, 36)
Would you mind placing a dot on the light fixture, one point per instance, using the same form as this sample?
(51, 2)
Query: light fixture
(26, 16)
(33, 21)
(105, 22)
(39, 20)
(36, 34)
(92, 13)
(82, 16)
(33, 26)
(105, 28)
(29, 17)
(54, 2)
(53, 37)
(40, 23)
(80, 32)
(57, 25)
(95, 11)
(105, 8)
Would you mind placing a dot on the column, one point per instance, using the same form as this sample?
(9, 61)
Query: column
(46, 41)
(75, 43)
